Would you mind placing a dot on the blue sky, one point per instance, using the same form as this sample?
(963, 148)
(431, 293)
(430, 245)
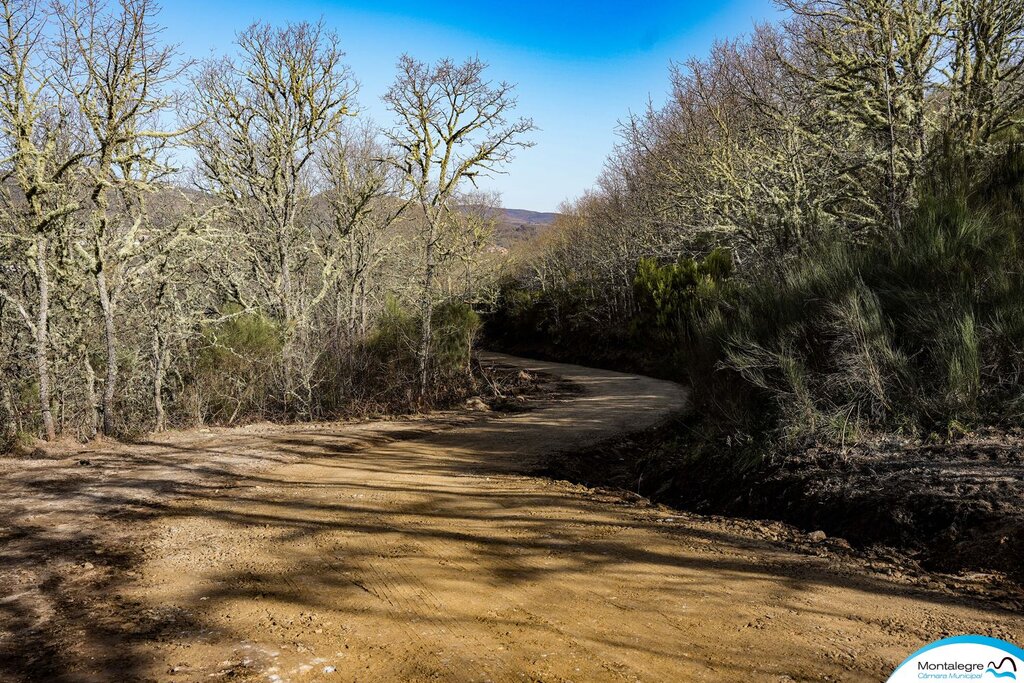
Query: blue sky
(580, 67)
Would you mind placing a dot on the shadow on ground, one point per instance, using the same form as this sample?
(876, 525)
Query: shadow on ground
(394, 518)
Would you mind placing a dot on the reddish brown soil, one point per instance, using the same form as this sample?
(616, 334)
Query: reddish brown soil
(416, 550)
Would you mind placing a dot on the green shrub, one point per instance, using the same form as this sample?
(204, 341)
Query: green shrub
(913, 333)
(455, 325)
(669, 296)
(388, 361)
(238, 365)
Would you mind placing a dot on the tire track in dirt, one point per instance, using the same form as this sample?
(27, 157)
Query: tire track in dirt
(433, 557)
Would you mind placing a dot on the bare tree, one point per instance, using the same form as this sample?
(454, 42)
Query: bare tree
(466, 247)
(119, 77)
(36, 129)
(876, 63)
(453, 126)
(174, 290)
(258, 122)
(363, 195)
(985, 77)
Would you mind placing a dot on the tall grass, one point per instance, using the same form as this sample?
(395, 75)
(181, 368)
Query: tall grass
(917, 332)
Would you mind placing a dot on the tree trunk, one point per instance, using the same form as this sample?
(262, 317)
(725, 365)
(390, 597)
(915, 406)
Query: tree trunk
(426, 311)
(90, 392)
(362, 307)
(10, 419)
(290, 327)
(110, 340)
(159, 365)
(43, 338)
(286, 290)
(352, 312)
(894, 208)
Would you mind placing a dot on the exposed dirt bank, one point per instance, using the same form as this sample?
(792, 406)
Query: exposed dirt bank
(416, 550)
(955, 506)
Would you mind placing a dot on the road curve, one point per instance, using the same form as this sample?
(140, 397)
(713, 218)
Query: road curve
(423, 555)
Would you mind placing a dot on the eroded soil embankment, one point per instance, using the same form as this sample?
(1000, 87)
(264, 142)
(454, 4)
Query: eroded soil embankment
(951, 507)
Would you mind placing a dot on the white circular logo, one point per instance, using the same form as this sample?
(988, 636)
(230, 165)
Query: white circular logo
(963, 658)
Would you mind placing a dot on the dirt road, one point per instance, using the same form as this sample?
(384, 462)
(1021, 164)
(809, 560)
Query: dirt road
(414, 551)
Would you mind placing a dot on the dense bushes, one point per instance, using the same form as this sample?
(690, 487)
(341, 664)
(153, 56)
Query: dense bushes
(388, 362)
(919, 331)
(233, 367)
(667, 295)
(565, 323)
(237, 367)
(561, 325)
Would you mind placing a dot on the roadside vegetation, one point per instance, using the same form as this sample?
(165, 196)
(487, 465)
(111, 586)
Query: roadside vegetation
(187, 243)
(820, 233)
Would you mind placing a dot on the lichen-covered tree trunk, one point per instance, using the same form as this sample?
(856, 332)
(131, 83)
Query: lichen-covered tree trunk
(10, 417)
(427, 311)
(363, 307)
(160, 358)
(93, 425)
(353, 313)
(110, 343)
(43, 339)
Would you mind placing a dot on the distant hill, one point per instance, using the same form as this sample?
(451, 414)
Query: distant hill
(530, 217)
(520, 224)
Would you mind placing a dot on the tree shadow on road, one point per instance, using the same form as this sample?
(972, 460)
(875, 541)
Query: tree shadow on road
(73, 538)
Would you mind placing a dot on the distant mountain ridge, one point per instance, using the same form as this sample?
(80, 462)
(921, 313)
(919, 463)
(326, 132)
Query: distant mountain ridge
(530, 217)
(521, 224)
